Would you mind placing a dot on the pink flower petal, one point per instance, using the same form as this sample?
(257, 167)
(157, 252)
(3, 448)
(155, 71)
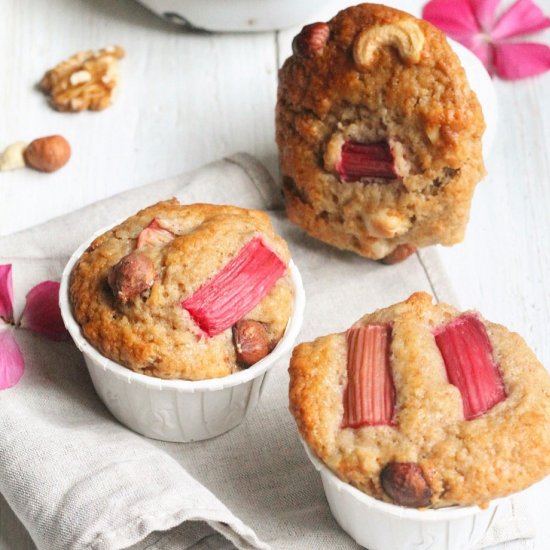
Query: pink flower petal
(455, 17)
(6, 293)
(523, 17)
(12, 363)
(42, 313)
(484, 10)
(514, 61)
(484, 52)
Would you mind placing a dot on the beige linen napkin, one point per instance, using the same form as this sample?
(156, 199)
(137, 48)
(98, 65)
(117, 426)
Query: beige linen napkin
(78, 479)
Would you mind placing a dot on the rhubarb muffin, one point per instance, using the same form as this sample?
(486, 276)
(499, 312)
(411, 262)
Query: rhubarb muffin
(379, 134)
(185, 291)
(422, 405)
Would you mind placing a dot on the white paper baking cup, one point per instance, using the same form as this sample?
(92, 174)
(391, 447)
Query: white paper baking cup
(177, 410)
(379, 525)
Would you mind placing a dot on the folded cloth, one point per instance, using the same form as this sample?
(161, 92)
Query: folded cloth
(78, 479)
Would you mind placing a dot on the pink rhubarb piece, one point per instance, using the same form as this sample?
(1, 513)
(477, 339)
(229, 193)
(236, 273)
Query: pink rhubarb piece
(369, 397)
(468, 356)
(155, 234)
(236, 289)
(365, 160)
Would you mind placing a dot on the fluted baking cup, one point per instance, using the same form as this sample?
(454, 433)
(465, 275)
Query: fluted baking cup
(379, 525)
(178, 410)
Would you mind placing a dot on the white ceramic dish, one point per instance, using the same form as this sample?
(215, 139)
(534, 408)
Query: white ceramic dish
(483, 86)
(177, 410)
(234, 15)
(378, 525)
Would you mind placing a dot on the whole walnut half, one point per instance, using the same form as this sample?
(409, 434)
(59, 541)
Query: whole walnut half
(405, 483)
(86, 80)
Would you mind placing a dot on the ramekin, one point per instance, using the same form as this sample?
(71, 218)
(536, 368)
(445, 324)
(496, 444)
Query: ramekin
(379, 525)
(483, 86)
(177, 410)
(235, 15)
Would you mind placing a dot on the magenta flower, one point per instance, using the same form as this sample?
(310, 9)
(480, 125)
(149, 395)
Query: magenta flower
(41, 315)
(474, 24)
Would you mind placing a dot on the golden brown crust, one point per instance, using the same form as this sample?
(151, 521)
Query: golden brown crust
(465, 462)
(151, 333)
(425, 109)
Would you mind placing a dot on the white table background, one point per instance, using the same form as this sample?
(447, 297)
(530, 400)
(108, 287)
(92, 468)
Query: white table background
(187, 99)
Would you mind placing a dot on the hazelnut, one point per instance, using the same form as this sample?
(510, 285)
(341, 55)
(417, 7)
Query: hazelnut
(131, 276)
(405, 483)
(48, 154)
(251, 341)
(402, 252)
(311, 40)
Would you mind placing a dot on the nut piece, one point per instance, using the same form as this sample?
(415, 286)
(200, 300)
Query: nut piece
(12, 156)
(79, 77)
(333, 152)
(388, 223)
(405, 483)
(87, 80)
(48, 154)
(131, 276)
(406, 36)
(251, 341)
(311, 40)
(402, 252)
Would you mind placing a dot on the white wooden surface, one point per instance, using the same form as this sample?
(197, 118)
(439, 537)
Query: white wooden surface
(188, 99)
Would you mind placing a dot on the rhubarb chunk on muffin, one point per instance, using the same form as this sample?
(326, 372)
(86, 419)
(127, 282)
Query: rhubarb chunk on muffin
(185, 291)
(379, 134)
(422, 405)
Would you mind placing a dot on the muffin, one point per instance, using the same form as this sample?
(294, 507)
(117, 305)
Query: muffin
(379, 134)
(185, 291)
(422, 405)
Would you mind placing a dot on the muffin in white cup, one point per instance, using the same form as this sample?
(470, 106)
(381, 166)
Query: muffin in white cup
(180, 311)
(423, 412)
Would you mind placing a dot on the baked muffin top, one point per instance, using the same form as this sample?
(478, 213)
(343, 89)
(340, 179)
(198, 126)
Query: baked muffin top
(379, 133)
(185, 291)
(421, 405)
